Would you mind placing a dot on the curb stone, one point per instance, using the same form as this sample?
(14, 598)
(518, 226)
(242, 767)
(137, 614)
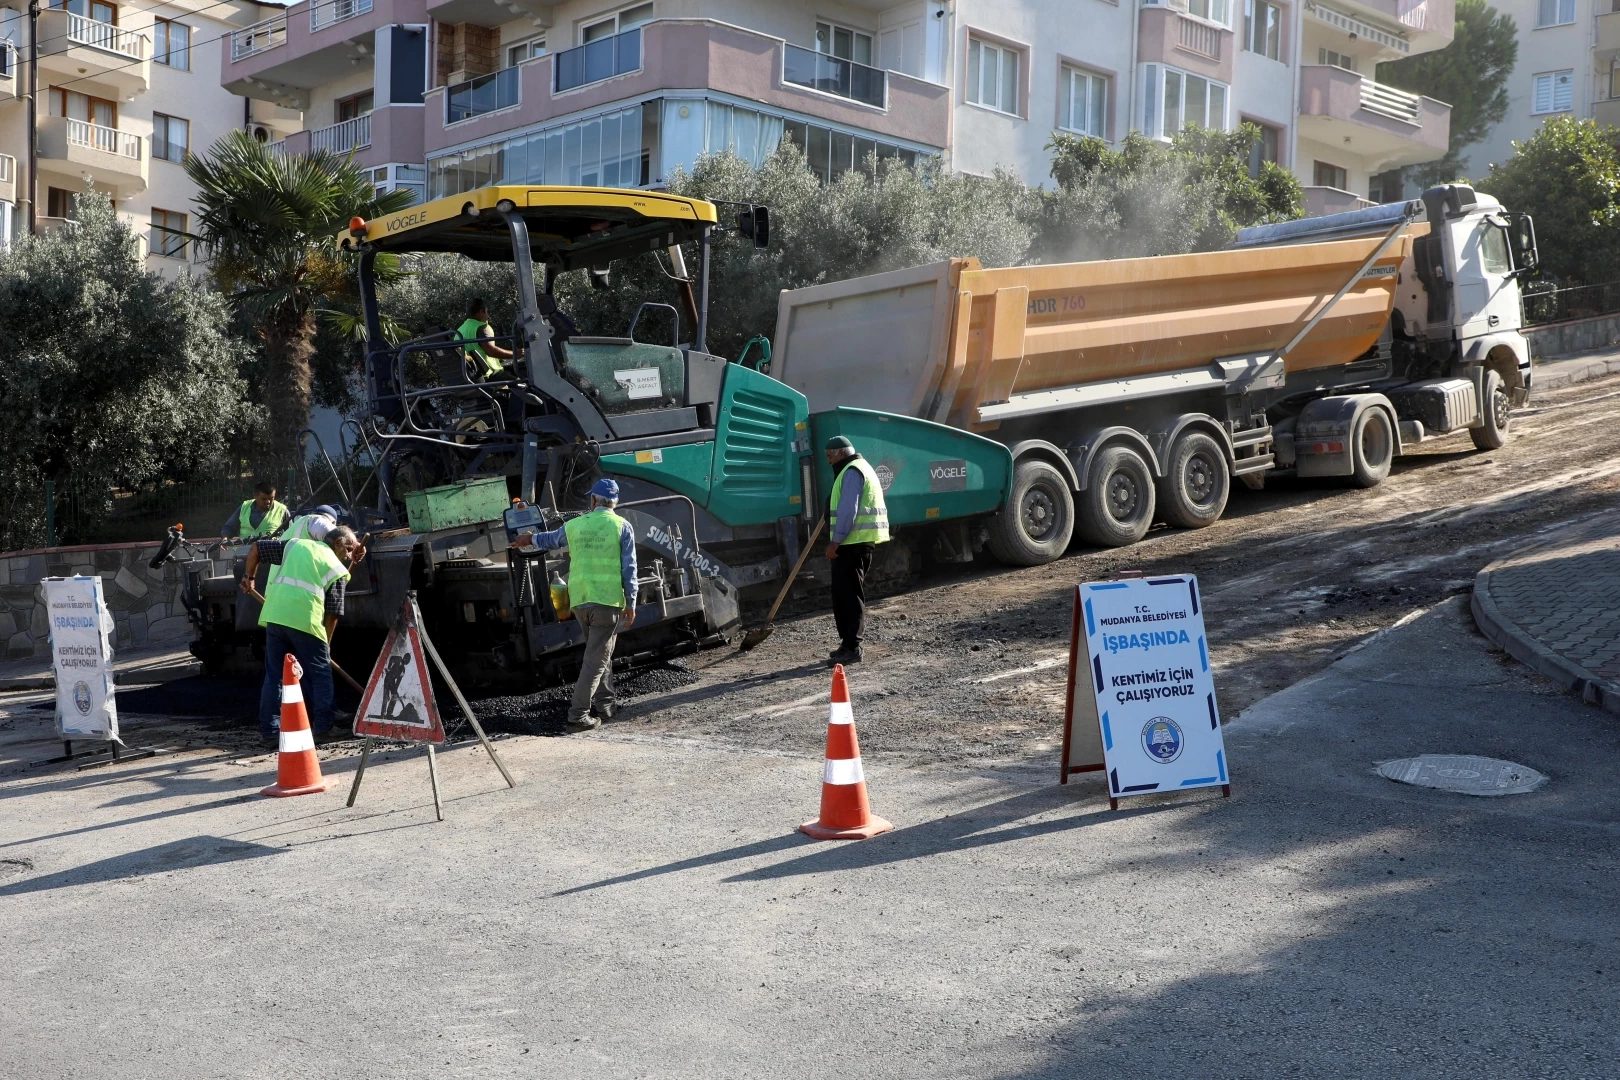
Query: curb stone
(1505, 633)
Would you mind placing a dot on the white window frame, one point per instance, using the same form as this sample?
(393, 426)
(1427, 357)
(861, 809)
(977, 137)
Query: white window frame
(1218, 12)
(1563, 13)
(973, 79)
(832, 28)
(617, 19)
(1155, 78)
(1250, 10)
(1332, 58)
(1551, 78)
(1093, 114)
(528, 45)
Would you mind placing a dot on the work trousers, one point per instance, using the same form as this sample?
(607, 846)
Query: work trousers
(849, 592)
(317, 681)
(595, 686)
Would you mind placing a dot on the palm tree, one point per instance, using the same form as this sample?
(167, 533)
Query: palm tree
(269, 221)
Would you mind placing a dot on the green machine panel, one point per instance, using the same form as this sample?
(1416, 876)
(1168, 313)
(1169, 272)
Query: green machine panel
(470, 502)
(682, 469)
(930, 472)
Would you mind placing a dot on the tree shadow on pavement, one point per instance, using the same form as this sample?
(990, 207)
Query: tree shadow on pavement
(175, 855)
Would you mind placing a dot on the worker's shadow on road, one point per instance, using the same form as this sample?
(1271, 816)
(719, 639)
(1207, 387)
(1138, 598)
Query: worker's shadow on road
(976, 828)
(177, 855)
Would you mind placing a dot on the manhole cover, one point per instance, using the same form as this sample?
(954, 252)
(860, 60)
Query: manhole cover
(1463, 773)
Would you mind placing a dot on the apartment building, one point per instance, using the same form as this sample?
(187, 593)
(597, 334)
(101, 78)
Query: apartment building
(443, 96)
(126, 92)
(1568, 65)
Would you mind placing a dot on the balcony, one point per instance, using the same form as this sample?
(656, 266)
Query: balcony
(1427, 25)
(1608, 37)
(283, 58)
(1167, 36)
(833, 75)
(485, 94)
(1607, 112)
(1320, 201)
(391, 134)
(8, 178)
(109, 157)
(76, 48)
(597, 61)
(697, 55)
(1380, 126)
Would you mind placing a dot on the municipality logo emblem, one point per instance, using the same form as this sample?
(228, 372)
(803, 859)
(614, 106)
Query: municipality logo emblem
(1162, 739)
(81, 697)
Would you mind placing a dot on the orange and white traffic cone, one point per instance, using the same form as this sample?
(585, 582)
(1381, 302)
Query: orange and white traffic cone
(845, 813)
(298, 770)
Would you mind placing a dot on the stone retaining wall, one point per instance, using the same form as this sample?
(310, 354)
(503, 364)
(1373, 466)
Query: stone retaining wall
(1575, 336)
(145, 603)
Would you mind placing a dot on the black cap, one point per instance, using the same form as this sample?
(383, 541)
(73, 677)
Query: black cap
(838, 442)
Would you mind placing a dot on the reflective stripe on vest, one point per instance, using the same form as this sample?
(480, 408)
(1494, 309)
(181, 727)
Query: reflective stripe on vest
(297, 599)
(871, 515)
(298, 530)
(267, 525)
(595, 562)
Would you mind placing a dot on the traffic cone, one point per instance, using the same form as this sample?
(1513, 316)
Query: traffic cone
(298, 770)
(845, 813)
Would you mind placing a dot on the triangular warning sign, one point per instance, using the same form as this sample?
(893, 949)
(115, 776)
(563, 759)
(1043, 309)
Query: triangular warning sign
(398, 702)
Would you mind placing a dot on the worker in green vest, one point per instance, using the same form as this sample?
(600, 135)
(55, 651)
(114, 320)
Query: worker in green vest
(486, 356)
(302, 605)
(601, 590)
(260, 516)
(860, 522)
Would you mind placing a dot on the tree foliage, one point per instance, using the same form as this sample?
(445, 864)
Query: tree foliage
(112, 375)
(268, 221)
(1471, 75)
(1567, 177)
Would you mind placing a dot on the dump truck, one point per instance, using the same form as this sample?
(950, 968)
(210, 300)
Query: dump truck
(1136, 389)
(719, 465)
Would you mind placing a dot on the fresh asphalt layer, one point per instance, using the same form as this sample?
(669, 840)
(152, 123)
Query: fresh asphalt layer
(640, 906)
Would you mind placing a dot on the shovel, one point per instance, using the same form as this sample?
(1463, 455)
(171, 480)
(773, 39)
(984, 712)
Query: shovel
(758, 634)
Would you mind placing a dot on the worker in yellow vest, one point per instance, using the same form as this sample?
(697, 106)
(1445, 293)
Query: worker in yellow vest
(480, 347)
(302, 605)
(601, 590)
(260, 516)
(860, 522)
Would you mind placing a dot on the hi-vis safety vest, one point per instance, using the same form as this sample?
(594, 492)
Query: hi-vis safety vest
(297, 599)
(470, 331)
(267, 525)
(871, 516)
(595, 565)
(298, 530)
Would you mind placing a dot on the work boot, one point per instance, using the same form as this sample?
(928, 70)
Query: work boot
(604, 712)
(845, 656)
(584, 723)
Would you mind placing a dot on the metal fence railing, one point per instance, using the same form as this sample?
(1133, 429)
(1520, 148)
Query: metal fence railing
(1549, 302)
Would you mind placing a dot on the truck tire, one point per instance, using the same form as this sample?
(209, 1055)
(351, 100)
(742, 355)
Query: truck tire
(1117, 506)
(1196, 481)
(1372, 448)
(1039, 518)
(1492, 434)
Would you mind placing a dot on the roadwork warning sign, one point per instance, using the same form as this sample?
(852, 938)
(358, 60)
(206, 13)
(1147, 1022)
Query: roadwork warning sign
(398, 702)
(1139, 672)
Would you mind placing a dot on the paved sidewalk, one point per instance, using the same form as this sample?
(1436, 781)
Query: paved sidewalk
(1583, 367)
(1555, 606)
(132, 667)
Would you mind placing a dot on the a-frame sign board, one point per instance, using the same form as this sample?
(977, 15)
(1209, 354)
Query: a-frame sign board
(1141, 703)
(399, 704)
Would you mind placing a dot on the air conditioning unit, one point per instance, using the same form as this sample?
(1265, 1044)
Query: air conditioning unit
(261, 133)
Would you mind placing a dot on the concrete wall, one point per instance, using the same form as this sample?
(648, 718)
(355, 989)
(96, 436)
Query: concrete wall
(1575, 336)
(145, 603)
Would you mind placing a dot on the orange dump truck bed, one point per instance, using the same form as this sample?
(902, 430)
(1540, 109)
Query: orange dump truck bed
(950, 340)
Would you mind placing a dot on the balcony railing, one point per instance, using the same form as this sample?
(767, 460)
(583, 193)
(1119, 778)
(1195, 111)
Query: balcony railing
(1198, 37)
(8, 60)
(329, 12)
(344, 136)
(597, 60)
(485, 94)
(1388, 101)
(277, 148)
(255, 39)
(100, 35)
(106, 139)
(833, 75)
(8, 168)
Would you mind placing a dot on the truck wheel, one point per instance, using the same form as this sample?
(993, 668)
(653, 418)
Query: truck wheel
(1372, 448)
(1117, 506)
(1196, 482)
(1039, 518)
(1492, 434)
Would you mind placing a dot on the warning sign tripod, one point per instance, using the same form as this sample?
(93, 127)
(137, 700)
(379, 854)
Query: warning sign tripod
(398, 702)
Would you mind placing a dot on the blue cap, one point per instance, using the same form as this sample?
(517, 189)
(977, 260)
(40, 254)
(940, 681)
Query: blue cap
(606, 488)
(329, 510)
